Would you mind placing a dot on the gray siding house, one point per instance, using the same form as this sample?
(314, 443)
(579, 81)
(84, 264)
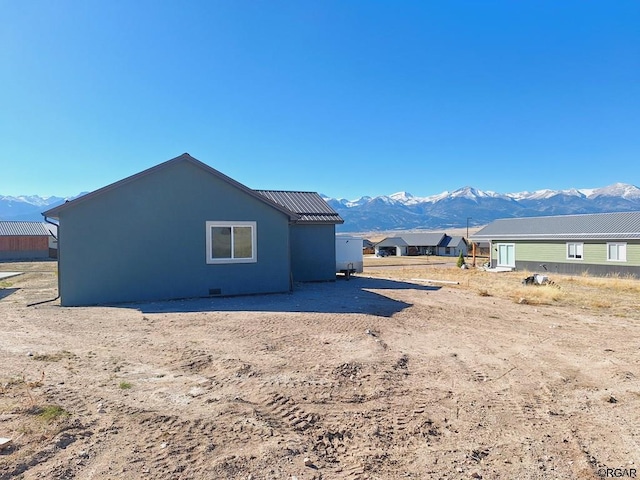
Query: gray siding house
(452, 246)
(597, 244)
(422, 244)
(183, 229)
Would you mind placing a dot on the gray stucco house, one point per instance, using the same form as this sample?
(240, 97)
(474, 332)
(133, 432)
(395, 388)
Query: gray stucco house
(183, 229)
(597, 244)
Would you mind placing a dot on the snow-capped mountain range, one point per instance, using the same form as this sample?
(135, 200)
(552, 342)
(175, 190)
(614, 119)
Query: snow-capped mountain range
(403, 211)
(26, 207)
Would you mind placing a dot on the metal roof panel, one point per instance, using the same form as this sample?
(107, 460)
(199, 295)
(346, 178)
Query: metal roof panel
(585, 226)
(19, 229)
(308, 205)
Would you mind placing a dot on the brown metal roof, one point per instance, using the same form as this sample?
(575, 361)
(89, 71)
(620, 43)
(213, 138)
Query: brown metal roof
(308, 205)
(23, 229)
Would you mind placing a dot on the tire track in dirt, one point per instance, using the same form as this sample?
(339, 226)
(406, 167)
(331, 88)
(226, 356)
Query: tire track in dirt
(305, 431)
(277, 416)
(358, 442)
(286, 412)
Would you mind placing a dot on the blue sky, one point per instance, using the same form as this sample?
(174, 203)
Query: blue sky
(347, 98)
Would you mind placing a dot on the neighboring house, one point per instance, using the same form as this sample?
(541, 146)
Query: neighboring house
(23, 240)
(368, 247)
(421, 244)
(183, 229)
(598, 244)
(452, 246)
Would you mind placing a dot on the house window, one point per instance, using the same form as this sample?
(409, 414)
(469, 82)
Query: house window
(574, 251)
(617, 252)
(231, 242)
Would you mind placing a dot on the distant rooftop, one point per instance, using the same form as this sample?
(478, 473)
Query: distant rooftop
(23, 229)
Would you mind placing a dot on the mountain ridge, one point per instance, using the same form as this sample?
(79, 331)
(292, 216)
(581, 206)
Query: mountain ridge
(474, 207)
(29, 207)
(466, 206)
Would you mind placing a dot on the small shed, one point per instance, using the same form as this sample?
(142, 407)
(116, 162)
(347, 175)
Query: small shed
(23, 240)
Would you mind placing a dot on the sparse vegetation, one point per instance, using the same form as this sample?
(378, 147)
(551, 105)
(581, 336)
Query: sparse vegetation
(538, 295)
(125, 385)
(583, 291)
(54, 357)
(51, 413)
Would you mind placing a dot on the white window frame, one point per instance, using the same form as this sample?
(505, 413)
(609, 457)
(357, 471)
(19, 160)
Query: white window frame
(621, 250)
(254, 256)
(579, 246)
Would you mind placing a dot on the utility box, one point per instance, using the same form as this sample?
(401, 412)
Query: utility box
(348, 255)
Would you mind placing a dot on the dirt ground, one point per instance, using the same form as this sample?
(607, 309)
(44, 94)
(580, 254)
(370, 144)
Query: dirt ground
(377, 377)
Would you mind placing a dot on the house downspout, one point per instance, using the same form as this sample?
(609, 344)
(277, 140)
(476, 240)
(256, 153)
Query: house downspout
(58, 262)
(289, 253)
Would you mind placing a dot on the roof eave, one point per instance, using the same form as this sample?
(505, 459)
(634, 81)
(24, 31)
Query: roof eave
(557, 236)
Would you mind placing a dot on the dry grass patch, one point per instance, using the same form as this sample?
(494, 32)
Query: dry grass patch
(29, 266)
(615, 283)
(619, 295)
(537, 295)
(615, 293)
(54, 357)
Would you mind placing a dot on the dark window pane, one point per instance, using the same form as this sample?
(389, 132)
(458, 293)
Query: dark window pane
(221, 242)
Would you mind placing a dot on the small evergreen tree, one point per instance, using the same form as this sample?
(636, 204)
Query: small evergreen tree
(461, 261)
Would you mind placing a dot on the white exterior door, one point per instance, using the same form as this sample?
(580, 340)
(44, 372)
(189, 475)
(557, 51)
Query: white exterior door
(506, 255)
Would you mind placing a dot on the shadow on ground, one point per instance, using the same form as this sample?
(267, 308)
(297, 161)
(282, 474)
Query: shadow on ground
(5, 292)
(356, 295)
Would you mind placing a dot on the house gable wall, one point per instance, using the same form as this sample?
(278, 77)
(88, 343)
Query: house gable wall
(146, 240)
(313, 252)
